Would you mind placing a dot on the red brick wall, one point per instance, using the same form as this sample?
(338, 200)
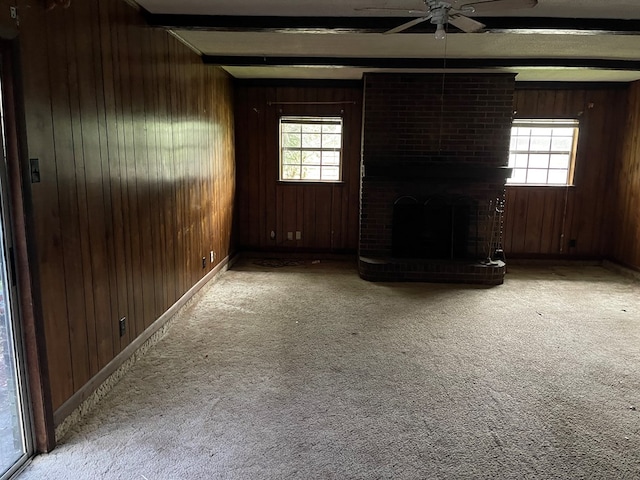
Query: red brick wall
(423, 137)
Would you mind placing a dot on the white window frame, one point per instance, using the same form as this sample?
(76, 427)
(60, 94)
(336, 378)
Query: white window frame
(533, 157)
(320, 165)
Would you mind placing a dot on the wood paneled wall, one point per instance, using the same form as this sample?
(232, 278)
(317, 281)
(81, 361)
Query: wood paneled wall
(626, 248)
(135, 142)
(542, 221)
(325, 214)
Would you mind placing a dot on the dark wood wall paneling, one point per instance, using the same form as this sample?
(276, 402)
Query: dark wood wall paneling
(626, 248)
(539, 221)
(542, 221)
(325, 214)
(135, 141)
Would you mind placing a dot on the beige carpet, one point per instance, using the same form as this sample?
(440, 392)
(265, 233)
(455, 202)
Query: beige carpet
(308, 372)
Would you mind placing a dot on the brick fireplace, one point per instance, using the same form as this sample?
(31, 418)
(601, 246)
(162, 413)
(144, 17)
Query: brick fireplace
(433, 176)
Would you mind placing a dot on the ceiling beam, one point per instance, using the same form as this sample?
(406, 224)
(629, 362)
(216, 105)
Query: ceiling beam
(362, 24)
(420, 63)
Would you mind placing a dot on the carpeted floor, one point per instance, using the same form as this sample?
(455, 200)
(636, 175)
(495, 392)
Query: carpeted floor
(305, 371)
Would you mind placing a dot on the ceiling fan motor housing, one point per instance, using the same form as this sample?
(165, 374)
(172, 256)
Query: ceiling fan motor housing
(439, 12)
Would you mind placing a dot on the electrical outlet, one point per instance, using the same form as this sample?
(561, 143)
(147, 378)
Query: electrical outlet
(298, 235)
(289, 235)
(273, 235)
(123, 326)
(212, 256)
(204, 262)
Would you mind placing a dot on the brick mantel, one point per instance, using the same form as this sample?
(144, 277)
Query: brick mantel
(435, 171)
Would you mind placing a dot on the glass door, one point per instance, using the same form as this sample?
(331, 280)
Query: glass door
(15, 437)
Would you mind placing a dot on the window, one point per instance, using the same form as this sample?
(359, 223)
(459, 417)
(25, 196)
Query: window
(542, 152)
(310, 149)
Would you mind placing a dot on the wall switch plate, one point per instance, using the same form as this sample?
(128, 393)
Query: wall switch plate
(123, 326)
(289, 235)
(34, 165)
(298, 235)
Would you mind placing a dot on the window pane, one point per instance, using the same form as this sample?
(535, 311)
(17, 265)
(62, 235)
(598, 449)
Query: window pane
(291, 157)
(311, 140)
(540, 144)
(519, 175)
(522, 160)
(536, 176)
(545, 132)
(291, 127)
(291, 172)
(330, 173)
(522, 143)
(563, 132)
(562, 144)
(310, 173)
(311, 158)
(291, 140)
(311, 128)
(537, 160)
(558, 177)
(333, 128)
(331, 140)
(559, 160)
(330, 158)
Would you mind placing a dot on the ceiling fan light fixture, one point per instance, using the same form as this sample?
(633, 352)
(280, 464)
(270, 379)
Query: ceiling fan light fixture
(440, 34)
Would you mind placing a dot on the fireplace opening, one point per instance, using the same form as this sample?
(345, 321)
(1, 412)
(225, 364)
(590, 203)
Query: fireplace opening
(438, 228)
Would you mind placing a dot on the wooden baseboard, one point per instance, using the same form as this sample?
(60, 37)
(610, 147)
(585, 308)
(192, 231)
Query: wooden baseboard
(622, 268)
(299, 254)
(102, 382)
(552, 257)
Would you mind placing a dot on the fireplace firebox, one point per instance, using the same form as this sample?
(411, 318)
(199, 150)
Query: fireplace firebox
(437, 228)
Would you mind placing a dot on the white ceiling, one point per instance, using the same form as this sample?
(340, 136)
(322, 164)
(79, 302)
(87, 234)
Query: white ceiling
(349, 45)
(625, 9)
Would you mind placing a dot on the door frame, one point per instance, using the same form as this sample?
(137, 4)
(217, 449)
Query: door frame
(24, 249)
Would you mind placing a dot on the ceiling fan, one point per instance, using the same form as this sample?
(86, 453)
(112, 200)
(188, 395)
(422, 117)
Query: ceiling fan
(453, 12)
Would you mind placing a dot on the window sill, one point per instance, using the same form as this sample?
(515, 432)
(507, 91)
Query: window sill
(309, 182)
(536, 185)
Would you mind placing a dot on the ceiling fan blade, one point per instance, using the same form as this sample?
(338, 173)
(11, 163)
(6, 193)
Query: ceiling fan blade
(488, 6)
(410, 24)
(465, 24)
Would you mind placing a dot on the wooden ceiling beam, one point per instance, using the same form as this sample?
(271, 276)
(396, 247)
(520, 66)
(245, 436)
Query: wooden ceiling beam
(419, 63)
(332, 25)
